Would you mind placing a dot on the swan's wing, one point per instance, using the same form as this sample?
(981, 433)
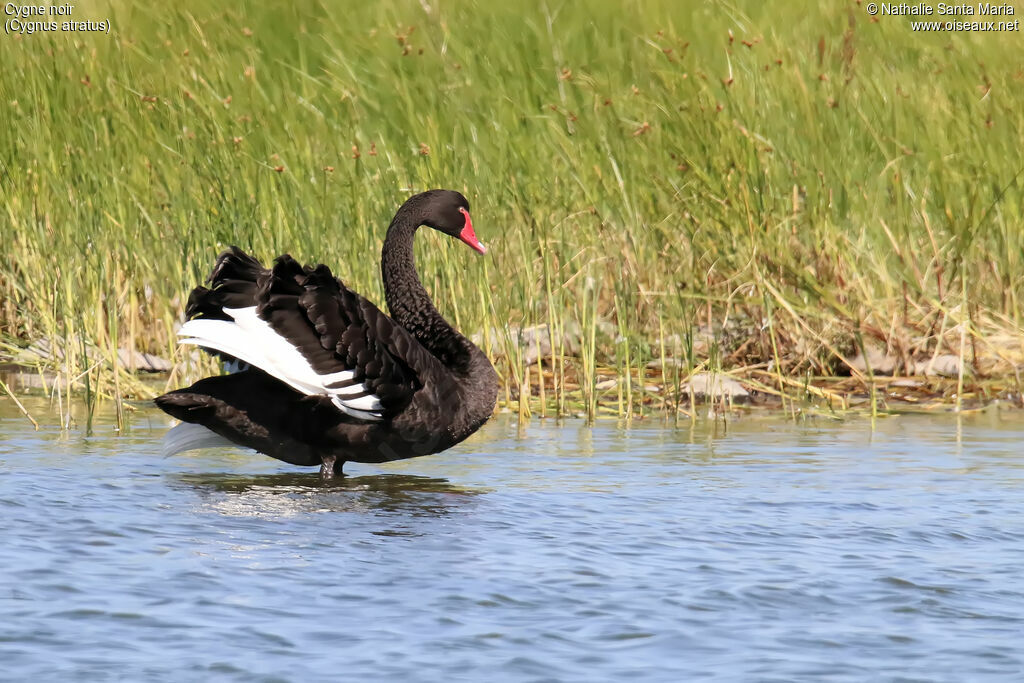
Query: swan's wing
(233, 285)
(306, 329)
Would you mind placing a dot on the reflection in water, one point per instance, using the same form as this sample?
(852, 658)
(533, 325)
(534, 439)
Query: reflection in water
(289, 494)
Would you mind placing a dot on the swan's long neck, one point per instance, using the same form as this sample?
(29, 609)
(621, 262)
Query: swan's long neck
(409, 303)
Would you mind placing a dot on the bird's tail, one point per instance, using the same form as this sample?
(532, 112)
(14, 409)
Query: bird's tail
(189, 437)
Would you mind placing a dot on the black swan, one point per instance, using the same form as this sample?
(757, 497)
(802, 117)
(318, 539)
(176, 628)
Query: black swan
(322, 376)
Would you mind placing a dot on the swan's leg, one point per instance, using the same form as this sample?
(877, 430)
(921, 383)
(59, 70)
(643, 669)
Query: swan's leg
(327, 466)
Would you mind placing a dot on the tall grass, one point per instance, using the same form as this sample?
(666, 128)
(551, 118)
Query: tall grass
(784, 179)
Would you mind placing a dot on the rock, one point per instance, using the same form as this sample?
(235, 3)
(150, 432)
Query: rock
(656, 364)
(16, 378)
(944, 365)
(536, 342)
(702, 340)
(37, 351)
(43, 350)
(881, 363)
(606, 384)
(715, 386)
(142, 362)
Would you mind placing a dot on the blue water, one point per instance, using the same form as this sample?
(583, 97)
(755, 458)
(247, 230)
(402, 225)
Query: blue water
(754, 550)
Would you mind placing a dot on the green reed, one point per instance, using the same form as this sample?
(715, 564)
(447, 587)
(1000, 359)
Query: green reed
(655, 168)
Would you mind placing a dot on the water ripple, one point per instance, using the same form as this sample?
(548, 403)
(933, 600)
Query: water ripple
(770, 551)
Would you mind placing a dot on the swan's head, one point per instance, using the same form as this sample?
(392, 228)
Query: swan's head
(448, 211)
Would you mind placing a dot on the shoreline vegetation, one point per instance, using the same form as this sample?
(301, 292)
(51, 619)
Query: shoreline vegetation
(807, 208)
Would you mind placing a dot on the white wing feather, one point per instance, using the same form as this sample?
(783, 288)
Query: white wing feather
(250, 339)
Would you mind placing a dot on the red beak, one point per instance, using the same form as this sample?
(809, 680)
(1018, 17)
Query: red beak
(468, 236)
